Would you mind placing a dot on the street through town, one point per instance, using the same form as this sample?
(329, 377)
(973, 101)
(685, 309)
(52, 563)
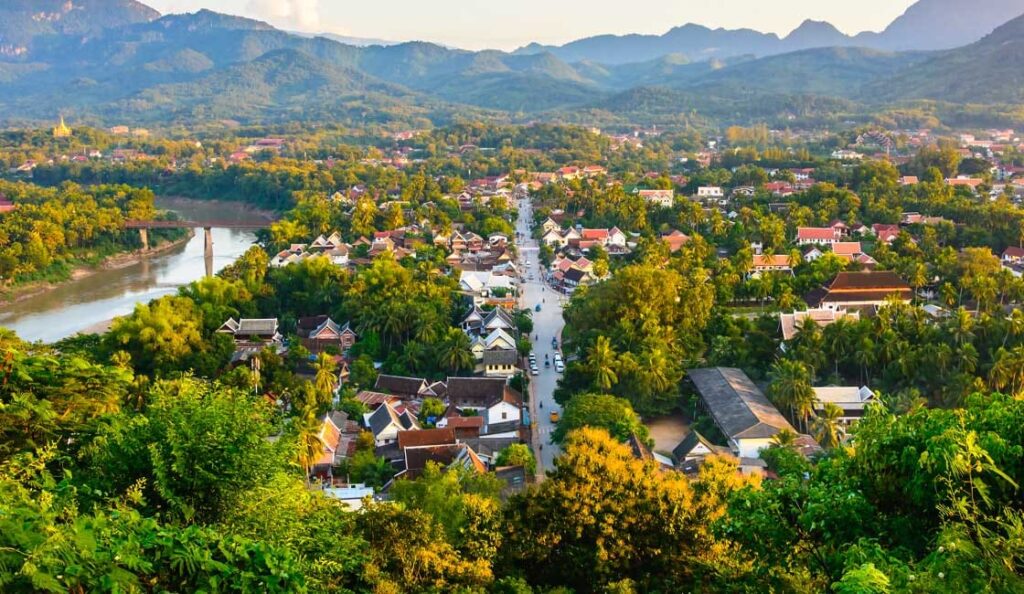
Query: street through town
(547, 324)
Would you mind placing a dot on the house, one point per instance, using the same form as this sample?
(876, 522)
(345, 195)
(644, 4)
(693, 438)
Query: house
(498, 319)
(491, 397)
(861, 289)
(641, 452)
(447, 456)
(812, 254)
(762, 263)
(473, 323)
(483, 284)
(817, 235)
(696, 446)
(426, 437)
(662, 198)
(569, 173)
(386, 423)
(846, 155)
(252, 332)
(5, 204)
(351, 495)
(500, 363)
(499, 339)
(594, 171)
(464, 427)
(1013, 255)
(710, 193)
(320, 332)
(329, 437)
(965, 181)
(851, 399)
(405, 387)
(676, 240)
(885, 233)
(741, 412)
(616, 238)
(851, 251)
(550, 225)
(792, 322)
(909, 180)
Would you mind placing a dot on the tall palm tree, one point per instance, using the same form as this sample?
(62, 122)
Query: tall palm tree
(791, 387)
(827, 429)
(601, 363)
(1008, 371)
(325, 377)
(454, 352)
(309, 445)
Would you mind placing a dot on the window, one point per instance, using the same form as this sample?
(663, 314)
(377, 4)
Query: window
(504, 416)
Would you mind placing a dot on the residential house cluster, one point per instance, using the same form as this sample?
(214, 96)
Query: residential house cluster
(492, 341)
(482, 416)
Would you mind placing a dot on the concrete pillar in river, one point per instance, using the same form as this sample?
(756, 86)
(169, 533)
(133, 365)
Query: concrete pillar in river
(208, 250)
(144, 237)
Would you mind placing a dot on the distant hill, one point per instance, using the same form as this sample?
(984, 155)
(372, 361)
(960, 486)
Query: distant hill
(943, 24)
(833, 71)
(23, 21)
(989, 71)
(926, 25)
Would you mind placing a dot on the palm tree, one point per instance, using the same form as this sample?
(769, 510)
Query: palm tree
(827, 429)
(325, 378)
(791, 387)
(309, 445)
(1008, 371)
(601, 362)
(784, 439)
(454, 352)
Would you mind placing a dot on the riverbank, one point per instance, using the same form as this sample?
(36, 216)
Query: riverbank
(114, 262)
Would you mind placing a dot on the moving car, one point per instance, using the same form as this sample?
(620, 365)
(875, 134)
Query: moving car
(554, 416)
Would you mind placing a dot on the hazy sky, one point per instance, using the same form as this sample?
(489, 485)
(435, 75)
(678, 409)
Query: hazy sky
(507, 24)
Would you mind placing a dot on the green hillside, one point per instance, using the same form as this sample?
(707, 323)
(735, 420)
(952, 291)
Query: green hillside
(989, 71)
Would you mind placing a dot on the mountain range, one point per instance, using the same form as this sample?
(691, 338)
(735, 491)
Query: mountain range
(118, 60)
(926, 25)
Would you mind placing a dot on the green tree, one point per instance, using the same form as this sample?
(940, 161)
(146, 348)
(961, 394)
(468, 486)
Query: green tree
(517, 454)
(612, 414)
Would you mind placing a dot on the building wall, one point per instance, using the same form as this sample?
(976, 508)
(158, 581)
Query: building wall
(511, 412)
(750, 448)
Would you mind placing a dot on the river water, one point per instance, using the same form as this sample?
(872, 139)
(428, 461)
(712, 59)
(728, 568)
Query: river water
(89, 303)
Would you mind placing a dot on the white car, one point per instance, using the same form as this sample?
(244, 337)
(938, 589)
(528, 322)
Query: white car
(559, 367)
(534, 370)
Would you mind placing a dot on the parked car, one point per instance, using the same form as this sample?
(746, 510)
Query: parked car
(554, 416)
(559, 367)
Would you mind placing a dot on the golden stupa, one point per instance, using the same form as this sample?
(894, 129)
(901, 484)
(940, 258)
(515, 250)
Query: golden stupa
(62, 130)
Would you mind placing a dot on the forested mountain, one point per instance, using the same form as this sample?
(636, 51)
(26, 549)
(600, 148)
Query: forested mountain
(208, 65)
(989, 71)
(22, 22)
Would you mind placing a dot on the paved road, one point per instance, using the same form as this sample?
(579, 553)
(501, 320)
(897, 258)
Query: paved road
(547, 324)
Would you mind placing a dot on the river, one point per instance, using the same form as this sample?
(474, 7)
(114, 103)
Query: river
(90, 302)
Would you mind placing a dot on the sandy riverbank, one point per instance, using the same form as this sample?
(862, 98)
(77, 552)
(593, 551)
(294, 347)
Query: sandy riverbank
(114, 262)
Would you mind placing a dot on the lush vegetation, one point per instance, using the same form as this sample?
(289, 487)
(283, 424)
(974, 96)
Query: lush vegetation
(53, 230)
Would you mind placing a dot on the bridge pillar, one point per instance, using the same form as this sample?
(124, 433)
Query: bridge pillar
(208, 250)
(144, 236)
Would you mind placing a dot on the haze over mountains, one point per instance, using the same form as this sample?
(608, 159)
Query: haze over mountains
(108, 60)
(926, 25)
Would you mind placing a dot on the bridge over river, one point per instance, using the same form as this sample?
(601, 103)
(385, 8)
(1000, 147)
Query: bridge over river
(207, 225)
